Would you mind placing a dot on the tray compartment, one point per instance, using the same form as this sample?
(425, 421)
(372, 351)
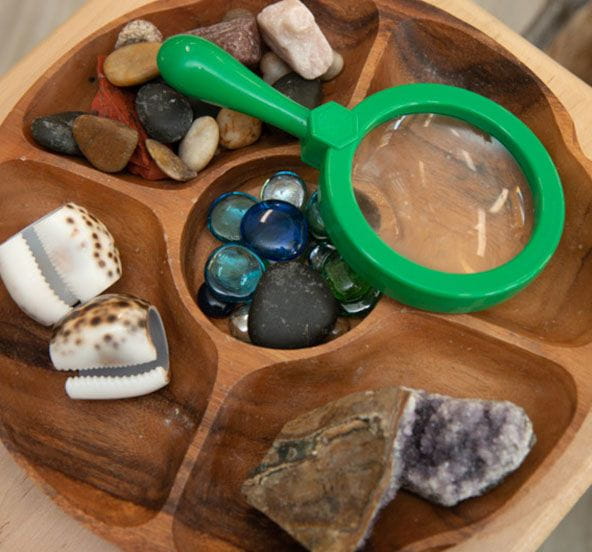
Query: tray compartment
(414, 350)
(433, 47)
(115, 460)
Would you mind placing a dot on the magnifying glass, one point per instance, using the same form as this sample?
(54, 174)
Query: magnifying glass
(359, 153)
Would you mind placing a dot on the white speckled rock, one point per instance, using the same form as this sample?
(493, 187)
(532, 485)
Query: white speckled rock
(64, 258)
(199, 144)
(237, 130)
(273, 68)
(118, 342)
(136, 31)
(290, 30)
(335, 68)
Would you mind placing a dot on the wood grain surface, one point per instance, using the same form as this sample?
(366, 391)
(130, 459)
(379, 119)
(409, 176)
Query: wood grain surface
(563, 440)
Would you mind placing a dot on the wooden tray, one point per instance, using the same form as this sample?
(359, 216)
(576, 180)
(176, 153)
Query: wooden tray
(163, 472)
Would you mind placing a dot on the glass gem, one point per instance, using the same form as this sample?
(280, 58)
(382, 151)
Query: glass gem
(275, 230)
(211, 306)
(239, 323)
(362, 306)
(346, 285)
(232, 273)
(286, 186)
(318, 255)
(226, 213)
(313, 216)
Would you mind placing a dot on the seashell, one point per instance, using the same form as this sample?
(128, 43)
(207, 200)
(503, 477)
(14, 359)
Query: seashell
(118, 343)
(64, 258)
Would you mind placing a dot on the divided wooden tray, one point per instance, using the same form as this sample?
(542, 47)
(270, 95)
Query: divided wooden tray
(163, 472)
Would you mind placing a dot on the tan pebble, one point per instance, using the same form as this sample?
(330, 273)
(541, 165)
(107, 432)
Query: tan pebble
(335, 68)
(133, 64)
(136, 31)
(200, 143)
(237, 130)
(273, 68)
(168, 162)
(107, 144)
(237, 13)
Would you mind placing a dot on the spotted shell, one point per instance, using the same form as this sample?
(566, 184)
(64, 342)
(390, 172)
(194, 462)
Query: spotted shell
(118, 342)
(62, 259)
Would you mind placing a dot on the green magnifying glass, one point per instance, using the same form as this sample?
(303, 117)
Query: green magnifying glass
(332, 140)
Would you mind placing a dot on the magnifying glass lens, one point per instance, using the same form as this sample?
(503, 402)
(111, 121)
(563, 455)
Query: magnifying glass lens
(443, 193)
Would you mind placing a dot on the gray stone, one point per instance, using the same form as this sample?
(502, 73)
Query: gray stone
(54, 132)
(308, 93)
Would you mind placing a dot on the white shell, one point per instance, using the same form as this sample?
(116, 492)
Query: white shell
(119, 342)
(69, 243)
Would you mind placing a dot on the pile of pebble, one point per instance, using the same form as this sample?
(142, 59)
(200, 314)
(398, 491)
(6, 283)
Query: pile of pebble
(278, 277)
(137, 122)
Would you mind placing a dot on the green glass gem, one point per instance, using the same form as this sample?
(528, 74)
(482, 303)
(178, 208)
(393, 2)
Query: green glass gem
(345, 284)
(362, 306)
(314, 218)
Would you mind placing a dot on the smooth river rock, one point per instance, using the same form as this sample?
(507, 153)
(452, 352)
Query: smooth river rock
(54, 132)
(200, 143)
(133, 64)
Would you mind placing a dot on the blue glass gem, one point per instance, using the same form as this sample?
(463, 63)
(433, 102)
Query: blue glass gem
(315, 221)
(232, 273)
(275, 230)
(211, 306)
(226, 213)
(362, 306)
(286, 186)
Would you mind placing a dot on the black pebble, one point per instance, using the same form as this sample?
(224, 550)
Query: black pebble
(54, 132)
(308, 93)
(292, 308)
(211, 306)
(165, 114)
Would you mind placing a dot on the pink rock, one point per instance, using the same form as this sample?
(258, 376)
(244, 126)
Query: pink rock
(239, 37)
(290, 30)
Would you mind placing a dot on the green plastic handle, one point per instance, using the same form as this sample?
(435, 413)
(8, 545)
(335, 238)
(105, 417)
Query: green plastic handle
(200, 69)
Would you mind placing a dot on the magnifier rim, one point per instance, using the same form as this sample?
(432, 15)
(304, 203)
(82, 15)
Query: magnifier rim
(410, 282)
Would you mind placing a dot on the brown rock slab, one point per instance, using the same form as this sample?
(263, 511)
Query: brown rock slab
(239, 37)
(169, 163)
(330, 471)
(132, 64)
(107, 144)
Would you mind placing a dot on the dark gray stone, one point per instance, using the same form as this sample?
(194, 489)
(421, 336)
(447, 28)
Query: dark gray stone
(54, 132)
(165, 114)
(308, 93)
(292, 308)
(459, 448)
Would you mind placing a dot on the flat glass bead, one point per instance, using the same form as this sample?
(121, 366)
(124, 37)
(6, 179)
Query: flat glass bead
(315, 221)
(211, 306)
(318, 255)
(275, 230)
(232, 273)
(226, 213)
(239, 323)
(362, 306)
(285, 186)
(346, 285)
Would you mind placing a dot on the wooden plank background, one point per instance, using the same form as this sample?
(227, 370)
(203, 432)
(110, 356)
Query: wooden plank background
(28, 518)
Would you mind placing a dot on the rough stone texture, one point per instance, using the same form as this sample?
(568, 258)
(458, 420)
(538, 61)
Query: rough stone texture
(237, 130)
(292, 308)
(273, 68)
(133, 64)
(165, 114)
(168, 162)
(239, 37)
(237, 13)
(460, 448)
(290, 30)
(200, 143)
(118, 104)
(136, 31)
(54, 132)
(330, 471)
(107, 144)
(308, 93)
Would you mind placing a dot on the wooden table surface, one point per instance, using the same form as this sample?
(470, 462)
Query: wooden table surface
(28, 518)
